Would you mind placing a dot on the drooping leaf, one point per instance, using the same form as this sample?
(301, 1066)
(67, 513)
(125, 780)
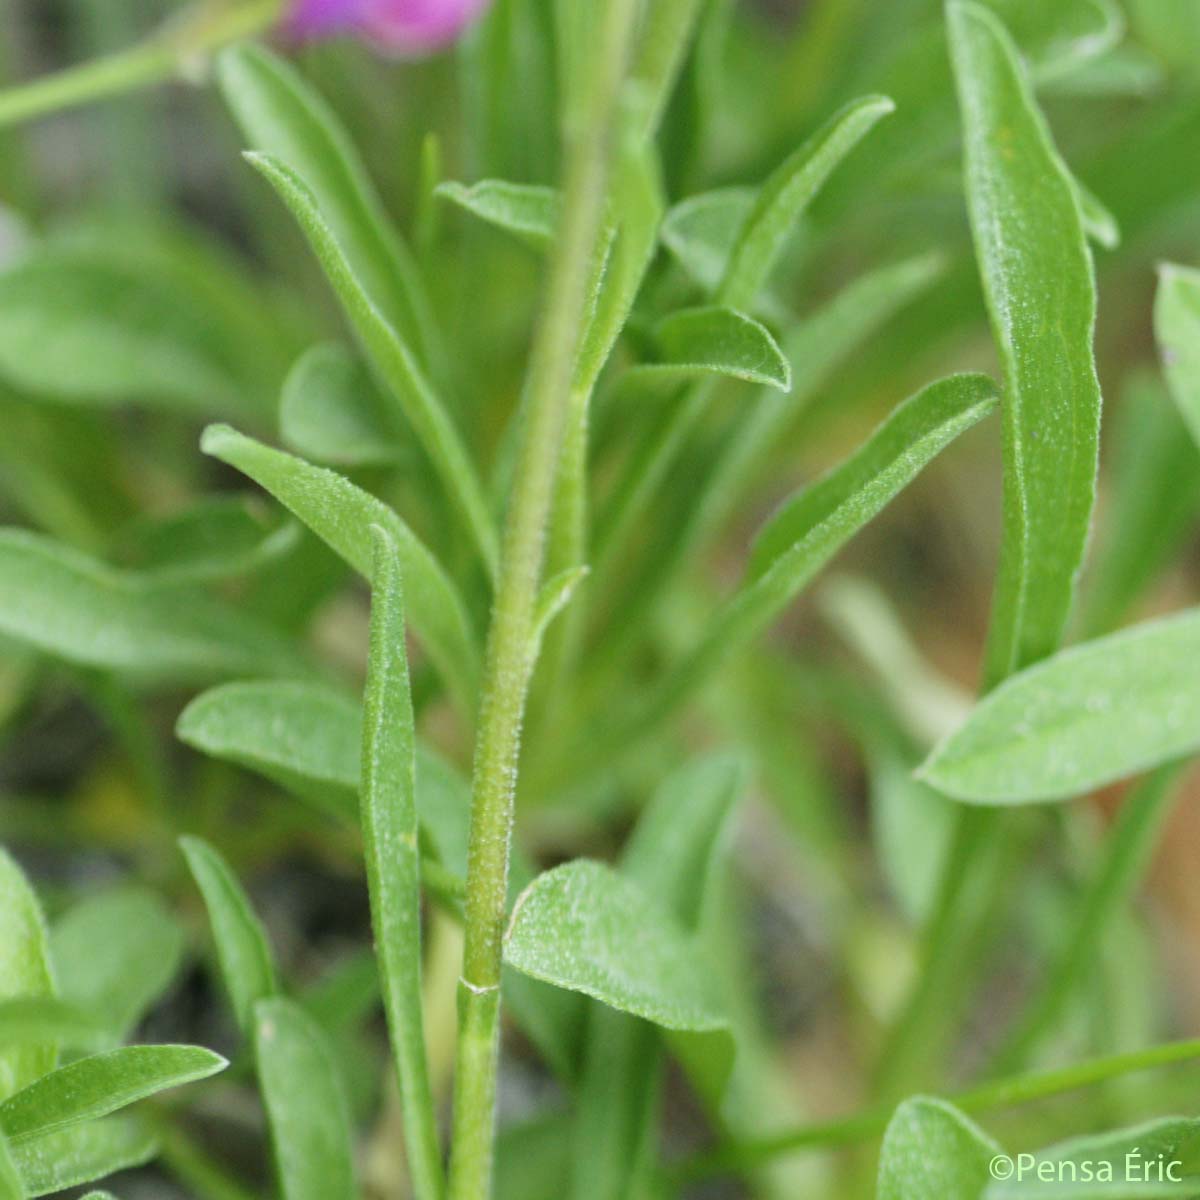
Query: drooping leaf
(100, 1084)
(390, 845)
(115, 953)
(306, 1109)
(46, 1020)
(331, 411)
(1083, 718)
(931, 1151)
(700, 232)
(394, 361)
(72, 607)
(215, 538)
(584, 927)
(1177, 326)
(247, 967)
(341, 515)
(528, 211)
(83, 1154)
(1037, 276)
(26, 969)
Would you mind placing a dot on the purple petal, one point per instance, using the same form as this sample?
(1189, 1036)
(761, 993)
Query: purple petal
(322, 18)
(413, 25)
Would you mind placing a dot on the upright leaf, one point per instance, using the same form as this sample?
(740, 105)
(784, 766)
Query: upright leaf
(700, 232)
(1087, 716)
(931, 1151)
(82, 1154)
(527, 211)
(1177, 326)
(1037, 277)
(389, 824)
(25, 970)
(306, 1109)
(242, 949)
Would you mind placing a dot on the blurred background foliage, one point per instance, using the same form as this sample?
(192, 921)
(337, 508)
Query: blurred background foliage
(144, 201)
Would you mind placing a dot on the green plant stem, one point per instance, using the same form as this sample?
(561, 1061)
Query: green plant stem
(1003, 1093)
(169, 52)
(509, 655)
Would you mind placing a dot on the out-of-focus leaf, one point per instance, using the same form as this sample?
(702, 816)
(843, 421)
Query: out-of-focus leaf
(72, 607)
(1177, 326)
(586, 928)
(533, 1159)
(115, 954)
(555, 594)
(26, 969)
(100, 1084)
(1083, 718)
(528, 211)
(396, 364)
(701, 230)
(246, 963)
(46, 1020)
(341, 515)
(1098, 223)
(1037, 276)
(1057, 38)
(931, 1151)
(215, 538)
(281, 115)
(390, 846)
(310, 1124)
(11, 1187)
(82, 1154)
(331, 411)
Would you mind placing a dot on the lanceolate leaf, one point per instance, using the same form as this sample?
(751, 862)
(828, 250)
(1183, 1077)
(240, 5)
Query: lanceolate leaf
(74, 608)
(100, 1084)
(82, 1154)
(931, 1151)
(25, 970)
(1089, 715)
(397, 366)
(341, 515)
(1037, 277)
(528, 211)
(246, 963)
(1177, 325)
(310, 1126)
(389, 824)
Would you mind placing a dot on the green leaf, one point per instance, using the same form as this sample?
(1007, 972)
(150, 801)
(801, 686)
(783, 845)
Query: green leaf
(46, 1020)
(281, 115)
(787, 193)
(584, 927)
(555, 594)
(26, 970)
(247, 967)
(1037, 276)
(700, 232)
(931, 1151)
(77, 609)
(695, 342)
(96, 1195)
(331, 411)
(1098, 223)
(1057, 38)
(83, 1154)
(397, 366)
(1177, 327)
(389, 825)
(11, 1187)
(528, 211)
(306, 1109)
(1083, 718)
(116, 953)
(100, 1084)
(214, 538)
(341, 515)
(89, 331)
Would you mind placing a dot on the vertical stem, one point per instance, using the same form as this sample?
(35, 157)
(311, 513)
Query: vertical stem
(506, 681)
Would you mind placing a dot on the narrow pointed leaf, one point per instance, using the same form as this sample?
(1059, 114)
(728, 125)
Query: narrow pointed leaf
(1177, 326)
(1037, 276)
(25, 970)
(528, 211)
(554, 596)
(306, 1109)
(931, 1151)
(82, 1154)
(341, 515)
(247, 967)
(700, 232)
(787, 193)
(100, 1084)
(389, 825)
(331, 411)
(72, 607)
(396, 364)
(1083, 718)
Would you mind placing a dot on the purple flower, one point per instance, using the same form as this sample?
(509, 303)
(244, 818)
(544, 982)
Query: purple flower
(402, 26)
